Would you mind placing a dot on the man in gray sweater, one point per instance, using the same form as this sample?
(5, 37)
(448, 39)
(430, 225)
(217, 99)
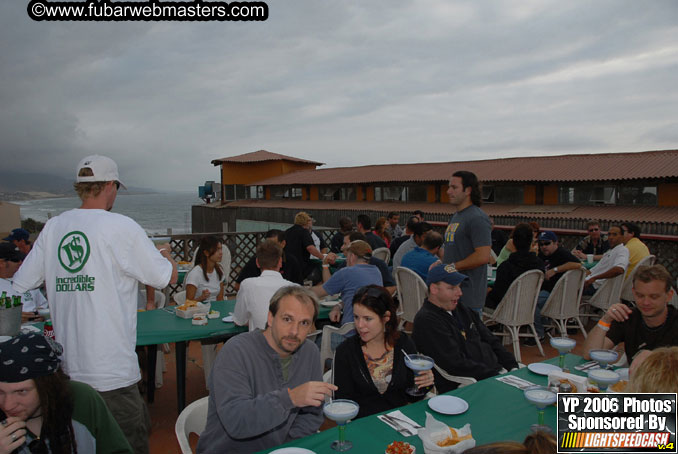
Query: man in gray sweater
(266, 386)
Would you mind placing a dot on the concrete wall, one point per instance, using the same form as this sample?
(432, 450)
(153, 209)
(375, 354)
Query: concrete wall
(10, 218)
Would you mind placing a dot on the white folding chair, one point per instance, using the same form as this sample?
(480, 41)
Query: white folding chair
(326, 351)
(627, 293)
(192, 419)
(412, 291)
(563, 302)
(516, 309)
(383, 253)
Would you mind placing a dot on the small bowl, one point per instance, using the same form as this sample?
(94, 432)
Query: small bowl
(414, 448)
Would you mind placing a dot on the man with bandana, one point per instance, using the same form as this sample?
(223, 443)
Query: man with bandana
(41, 408)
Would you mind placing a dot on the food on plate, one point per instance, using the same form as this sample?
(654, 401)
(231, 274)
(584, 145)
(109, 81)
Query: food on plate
(183, 262)
(187, 304)
(453, 439)
(213, 314)
(399, 447)
(620, 386)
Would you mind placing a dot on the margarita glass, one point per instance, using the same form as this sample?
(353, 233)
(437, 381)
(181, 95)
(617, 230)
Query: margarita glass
(418, 363)
(564, 345)
(604, 357)
(340, 411)
(603, 378)
(541, 397)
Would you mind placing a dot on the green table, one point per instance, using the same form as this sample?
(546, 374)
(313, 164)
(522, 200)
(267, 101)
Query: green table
(163, 326)
(496, 412)
(588, 265)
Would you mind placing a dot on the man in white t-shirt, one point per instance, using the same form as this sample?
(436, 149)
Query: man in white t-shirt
(254, 296)
(91, 261)
(10, 260)
(613, 263)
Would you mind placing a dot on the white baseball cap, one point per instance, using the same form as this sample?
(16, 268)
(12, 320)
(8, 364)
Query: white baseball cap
(103, 169)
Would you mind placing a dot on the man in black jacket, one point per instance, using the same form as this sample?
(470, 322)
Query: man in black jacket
(453, 335)
(518, 262)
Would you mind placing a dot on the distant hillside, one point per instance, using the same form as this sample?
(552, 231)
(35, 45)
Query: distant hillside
(23, 186)
(34, 182)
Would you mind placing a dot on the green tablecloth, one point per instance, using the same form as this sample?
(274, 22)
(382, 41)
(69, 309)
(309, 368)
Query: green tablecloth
(496, 412)
(162, 325)
(588, 265)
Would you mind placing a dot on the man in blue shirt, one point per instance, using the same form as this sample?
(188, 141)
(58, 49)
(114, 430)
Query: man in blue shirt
(357, 273)
(422, 257)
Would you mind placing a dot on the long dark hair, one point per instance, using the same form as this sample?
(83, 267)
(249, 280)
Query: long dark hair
(56, 408)
(469, 179)
(378, 300)
(208, 244)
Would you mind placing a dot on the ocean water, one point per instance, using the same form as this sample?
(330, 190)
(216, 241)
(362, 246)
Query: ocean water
(154, 212)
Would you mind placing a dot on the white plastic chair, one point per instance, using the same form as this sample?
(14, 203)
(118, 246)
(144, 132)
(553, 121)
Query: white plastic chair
(516, 309)
(627, 293)
(607, 294)
(383, 253)
(412, 291)
(463, 381)
(192, 419)
(326, 351)
(563, 302)
(180, 297)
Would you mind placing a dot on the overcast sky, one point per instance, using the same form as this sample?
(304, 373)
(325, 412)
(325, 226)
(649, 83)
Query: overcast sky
(341, 82)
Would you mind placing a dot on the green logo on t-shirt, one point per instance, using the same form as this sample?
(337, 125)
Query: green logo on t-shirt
(73, 251)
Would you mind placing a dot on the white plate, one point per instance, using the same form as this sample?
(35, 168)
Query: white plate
(292, 451)
(227, 319)
(329, 303)
(448, 405)
(543, 368)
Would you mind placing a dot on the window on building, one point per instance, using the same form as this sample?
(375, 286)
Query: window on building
(255, 192)
(603, 194)
(401, 193)
(336, 193)
(235, 191)
(488, 194)
(510, 195)
(637, 195)
(417, 193)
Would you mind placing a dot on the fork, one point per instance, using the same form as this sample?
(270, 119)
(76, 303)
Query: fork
(413, 424)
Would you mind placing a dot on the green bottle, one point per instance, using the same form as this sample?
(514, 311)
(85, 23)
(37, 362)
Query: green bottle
(17, 300)
(2, 299)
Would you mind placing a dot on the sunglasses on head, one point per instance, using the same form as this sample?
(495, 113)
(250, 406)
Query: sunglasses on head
(372, 292)
(544, 243)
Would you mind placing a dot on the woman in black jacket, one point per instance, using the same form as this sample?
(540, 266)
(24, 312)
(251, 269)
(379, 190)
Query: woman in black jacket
(369, 367)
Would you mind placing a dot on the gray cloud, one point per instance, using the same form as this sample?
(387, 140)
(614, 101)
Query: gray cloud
(345, 83)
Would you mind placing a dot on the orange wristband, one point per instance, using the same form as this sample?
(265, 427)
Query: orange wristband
(605, 324)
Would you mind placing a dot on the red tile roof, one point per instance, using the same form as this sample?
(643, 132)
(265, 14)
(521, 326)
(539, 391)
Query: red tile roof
(603, 213)
(583, 167)
(261, 155)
